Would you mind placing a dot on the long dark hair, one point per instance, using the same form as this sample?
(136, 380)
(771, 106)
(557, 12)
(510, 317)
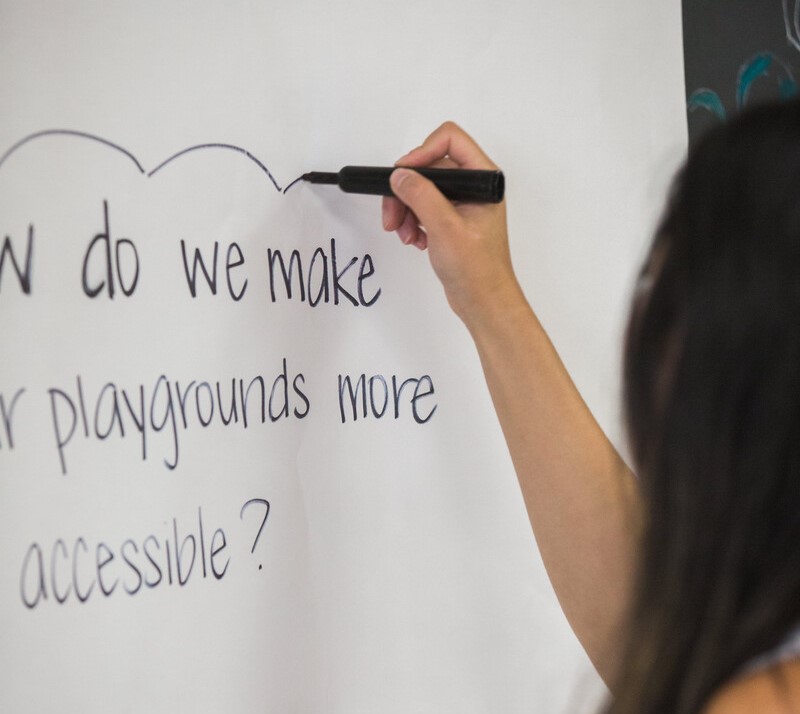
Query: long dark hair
(712, 399)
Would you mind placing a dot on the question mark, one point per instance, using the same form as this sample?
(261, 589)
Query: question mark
(263, 502)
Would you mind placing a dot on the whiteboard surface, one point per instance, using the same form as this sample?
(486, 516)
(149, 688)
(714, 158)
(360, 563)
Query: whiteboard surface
(396, 570)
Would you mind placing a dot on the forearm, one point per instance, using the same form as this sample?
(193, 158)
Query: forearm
(581, 499)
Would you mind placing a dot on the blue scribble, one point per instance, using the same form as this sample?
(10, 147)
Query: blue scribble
(709, 100)
(759, 66)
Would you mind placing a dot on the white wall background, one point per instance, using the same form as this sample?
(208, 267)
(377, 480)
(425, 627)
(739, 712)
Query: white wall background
(398, 572)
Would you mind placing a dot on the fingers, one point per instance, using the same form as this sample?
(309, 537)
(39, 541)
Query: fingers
(397, 217)
(427, 206)
(408, 230)
(445, 163)
(419, 203)
(394, 212)
(449, 140)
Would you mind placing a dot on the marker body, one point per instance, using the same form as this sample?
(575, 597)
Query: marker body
(468, 185)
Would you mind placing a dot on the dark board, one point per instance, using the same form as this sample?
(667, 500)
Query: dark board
(737, 53)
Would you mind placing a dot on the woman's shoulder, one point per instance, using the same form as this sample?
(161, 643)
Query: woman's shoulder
(774, 690)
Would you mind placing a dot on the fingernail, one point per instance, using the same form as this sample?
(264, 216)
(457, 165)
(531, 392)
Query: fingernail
(399, 176)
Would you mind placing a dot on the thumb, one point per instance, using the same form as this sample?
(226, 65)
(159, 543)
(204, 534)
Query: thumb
(434, 211)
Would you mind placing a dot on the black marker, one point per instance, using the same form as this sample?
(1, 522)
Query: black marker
(470, 185)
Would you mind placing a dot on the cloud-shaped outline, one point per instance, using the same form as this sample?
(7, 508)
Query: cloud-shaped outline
(105, 142)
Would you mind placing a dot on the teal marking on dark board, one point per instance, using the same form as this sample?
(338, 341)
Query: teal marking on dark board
(738, 53)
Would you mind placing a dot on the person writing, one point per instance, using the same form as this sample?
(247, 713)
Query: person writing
(682, 582)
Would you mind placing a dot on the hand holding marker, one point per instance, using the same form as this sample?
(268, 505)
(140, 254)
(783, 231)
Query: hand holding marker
(473, 185)
(467, 239)
(446, 196)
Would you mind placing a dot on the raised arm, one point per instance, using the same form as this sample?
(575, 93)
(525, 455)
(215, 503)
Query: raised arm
(581, 499)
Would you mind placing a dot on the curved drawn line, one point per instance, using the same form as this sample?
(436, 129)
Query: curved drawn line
(787, 24)
(707, 99)
(142, 170)
(297, 180)
(238, 149)
(792, 23)
(70, 132)
(759, 66)
(797, 21)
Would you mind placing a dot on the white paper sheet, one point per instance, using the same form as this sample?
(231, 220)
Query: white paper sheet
(395, 570)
